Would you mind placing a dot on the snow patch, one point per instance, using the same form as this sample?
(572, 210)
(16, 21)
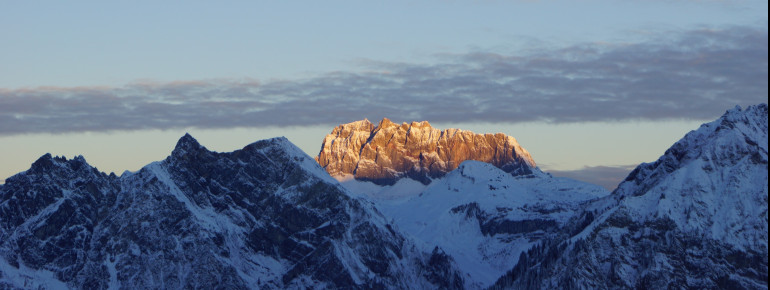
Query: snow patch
(27, 278)
(402, 190)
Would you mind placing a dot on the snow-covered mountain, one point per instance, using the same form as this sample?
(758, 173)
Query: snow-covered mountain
(482, 214)
(695, 218)
(484, 218)
(266, 216)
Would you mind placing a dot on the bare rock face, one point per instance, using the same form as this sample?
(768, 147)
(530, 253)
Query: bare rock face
(387, 152)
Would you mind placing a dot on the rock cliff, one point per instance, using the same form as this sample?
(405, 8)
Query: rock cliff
(387, 152)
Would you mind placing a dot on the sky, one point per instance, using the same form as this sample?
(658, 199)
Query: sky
(590, 88)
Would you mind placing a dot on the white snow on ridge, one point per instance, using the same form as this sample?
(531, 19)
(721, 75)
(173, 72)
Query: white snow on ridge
(711, 191)
(26, 278)
(207, 217)
(402, 190)
(426, 212)
(304, 160)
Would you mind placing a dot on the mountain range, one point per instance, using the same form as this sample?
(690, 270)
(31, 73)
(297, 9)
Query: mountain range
(393, 206)
(266, 216)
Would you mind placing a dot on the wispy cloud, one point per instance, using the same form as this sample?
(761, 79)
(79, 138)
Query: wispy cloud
(607, 176)
(680, 75)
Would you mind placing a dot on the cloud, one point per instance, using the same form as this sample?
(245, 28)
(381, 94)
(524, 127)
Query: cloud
(607, 176)
(693, 75)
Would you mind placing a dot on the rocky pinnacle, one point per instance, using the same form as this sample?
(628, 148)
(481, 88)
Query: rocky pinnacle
(387, 152)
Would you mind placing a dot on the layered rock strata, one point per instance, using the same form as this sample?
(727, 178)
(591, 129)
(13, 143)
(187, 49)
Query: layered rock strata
(387, 152)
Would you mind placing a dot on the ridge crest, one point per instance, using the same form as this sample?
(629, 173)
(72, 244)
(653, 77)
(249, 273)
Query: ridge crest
(388, 151)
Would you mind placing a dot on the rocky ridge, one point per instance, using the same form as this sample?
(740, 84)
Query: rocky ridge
(387, 152)
(265, 216)
(694, 219)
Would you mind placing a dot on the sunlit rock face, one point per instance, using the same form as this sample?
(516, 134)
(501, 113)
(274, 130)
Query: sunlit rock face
(388, 151)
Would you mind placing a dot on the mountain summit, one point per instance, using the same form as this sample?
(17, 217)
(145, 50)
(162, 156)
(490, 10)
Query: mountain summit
(387, 152)
(263, 217)
(694, 219)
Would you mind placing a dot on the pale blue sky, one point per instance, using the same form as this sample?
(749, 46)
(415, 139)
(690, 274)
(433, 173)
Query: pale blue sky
(86, 43)
(579, 83)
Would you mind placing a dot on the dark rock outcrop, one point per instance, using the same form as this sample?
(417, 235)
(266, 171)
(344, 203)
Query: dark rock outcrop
(265, 216)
